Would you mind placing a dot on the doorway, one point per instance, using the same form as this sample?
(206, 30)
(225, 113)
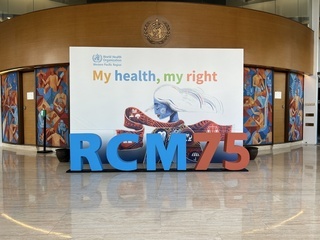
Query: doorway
(279, 109)
(29, 108)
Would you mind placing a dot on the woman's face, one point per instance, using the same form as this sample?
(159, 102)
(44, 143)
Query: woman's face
(162, 110)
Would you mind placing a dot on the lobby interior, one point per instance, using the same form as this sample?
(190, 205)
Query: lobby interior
(276, 198)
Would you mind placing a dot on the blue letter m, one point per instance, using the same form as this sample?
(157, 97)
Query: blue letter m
(176, 144)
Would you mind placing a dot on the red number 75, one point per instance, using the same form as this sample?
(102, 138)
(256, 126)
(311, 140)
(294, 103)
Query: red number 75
(213, 140)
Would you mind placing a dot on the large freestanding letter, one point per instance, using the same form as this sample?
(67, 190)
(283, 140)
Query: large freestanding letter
(177, 144)
(213, 140)
(243, 154)
(113, 156)
(78, 152)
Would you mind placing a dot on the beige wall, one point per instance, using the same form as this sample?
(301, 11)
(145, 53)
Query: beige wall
(44, 37)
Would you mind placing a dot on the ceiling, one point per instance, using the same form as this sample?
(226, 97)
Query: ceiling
(298, 10)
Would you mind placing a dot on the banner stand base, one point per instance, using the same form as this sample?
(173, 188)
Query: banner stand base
(160, 170)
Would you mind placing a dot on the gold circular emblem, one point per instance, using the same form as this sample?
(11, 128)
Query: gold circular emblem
(156, 31)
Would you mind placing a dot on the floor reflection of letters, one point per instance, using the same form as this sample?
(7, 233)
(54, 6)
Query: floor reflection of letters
(235, 189)
(204, 192)
(159, 190)
(85, 190)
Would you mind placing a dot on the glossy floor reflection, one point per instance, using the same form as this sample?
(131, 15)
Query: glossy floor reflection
(278, 198)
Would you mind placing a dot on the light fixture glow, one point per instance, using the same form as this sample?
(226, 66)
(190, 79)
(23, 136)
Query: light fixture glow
(35, 228)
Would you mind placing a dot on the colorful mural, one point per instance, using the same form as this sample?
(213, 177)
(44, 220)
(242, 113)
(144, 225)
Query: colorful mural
(295, 101)
(53, 96)
(257, 106)
(9, 108)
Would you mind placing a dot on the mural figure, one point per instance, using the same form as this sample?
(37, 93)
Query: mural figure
(257, 106)
(295, 107)
(53, 96)
(9, 108)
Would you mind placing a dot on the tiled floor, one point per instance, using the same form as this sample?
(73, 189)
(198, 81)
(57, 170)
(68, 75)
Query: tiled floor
(278, 198)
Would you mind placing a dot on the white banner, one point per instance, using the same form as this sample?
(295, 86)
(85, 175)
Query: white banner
(138, 89)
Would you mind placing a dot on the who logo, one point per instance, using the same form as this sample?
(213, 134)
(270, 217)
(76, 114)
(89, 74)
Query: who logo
(97, 58)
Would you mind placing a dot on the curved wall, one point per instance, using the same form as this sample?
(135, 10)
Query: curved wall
(44, 37)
